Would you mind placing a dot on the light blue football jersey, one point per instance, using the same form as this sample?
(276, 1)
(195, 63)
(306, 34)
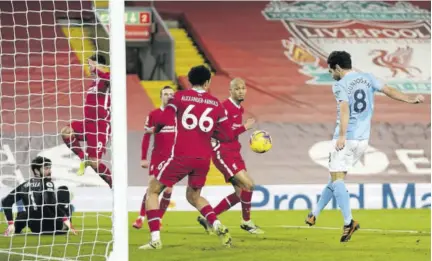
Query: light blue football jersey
(358, 90)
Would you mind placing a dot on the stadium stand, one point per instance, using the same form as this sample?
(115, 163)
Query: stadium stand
(258, 57)
(43, 82)
(296, 113)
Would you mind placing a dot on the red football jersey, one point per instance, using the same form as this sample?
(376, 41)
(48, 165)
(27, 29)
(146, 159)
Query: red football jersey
(198, 113)
(163, 140)
(235, 116)
(98, 100)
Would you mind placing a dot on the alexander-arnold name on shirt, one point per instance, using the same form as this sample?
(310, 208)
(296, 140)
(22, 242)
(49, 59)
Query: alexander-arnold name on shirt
(200, 100)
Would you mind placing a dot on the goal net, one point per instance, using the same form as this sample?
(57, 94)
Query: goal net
(44, 80)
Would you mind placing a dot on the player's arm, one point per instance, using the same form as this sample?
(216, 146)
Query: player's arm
(344, 109)
(50, 201)
(224, 131)
(394, 93)
(7, 203)
(247, 126)
(146, 139)
(239, 130)
(344, 118)
(400, 96)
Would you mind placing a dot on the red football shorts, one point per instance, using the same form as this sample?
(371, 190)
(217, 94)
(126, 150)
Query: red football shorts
(95, 134)
(173, 170)
(156, 163)
(229, 163)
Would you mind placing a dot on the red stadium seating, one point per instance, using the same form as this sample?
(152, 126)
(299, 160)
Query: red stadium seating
(54, 70)
(239, 42)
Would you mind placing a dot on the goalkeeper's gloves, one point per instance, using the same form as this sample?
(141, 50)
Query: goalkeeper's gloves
(67, 225)
(10, 231)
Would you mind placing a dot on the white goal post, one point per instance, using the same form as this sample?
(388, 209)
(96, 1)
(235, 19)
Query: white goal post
(119, 126)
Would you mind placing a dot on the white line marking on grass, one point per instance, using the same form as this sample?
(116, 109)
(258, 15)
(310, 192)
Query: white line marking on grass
(35, 256)
(322, 228)
(362, 229)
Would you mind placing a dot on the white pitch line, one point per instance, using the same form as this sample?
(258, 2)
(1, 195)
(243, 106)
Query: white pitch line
(323, 228)
(362, 229)
(35, 256)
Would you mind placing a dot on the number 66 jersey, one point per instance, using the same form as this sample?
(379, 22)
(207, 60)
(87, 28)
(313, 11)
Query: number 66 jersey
(197, 114)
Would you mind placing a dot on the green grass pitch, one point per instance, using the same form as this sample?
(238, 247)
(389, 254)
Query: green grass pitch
(394, 235)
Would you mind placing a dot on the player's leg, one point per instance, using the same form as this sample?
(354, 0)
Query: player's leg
(194, 197)
(155, 162)
(225, 165)
(340, 162)
(196, 180)
(35, 225)
(72, 135)
(343, 200)
(153, 216)
(100, 168)
(64, 200)
(326, 196)
(228, 202)
(163, 205)
(225, 204)
(165, 201)
(139, 221)
(97, 137)
(246, 186)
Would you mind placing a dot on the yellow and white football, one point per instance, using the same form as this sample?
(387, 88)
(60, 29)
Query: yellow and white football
(260, 141)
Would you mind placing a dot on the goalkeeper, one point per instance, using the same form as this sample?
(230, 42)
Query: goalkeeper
(46, 212)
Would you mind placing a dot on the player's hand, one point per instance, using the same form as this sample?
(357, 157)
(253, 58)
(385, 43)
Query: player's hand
(10, 231)
(144, 164)
(68, 225)
(92, 65)
(340, 143)
(249, 123)
(418, 99)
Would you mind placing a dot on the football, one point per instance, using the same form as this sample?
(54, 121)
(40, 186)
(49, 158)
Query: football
(260, 141)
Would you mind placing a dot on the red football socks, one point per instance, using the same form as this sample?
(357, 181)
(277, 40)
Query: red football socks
(164, 203)
(246, 198)
(226, 204)
(105, 173)
(153, 220)
(209, 214)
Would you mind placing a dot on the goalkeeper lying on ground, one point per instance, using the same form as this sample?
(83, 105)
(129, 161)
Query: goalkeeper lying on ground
(46, 212)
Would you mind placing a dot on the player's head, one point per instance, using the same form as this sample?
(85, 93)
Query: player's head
(339, 62)
(238, 89)
(99, 59)
(96, 60)
(41, 167)
(166, 93)
(200, 76)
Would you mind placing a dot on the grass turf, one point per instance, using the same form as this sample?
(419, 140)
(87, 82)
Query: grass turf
(399, 234)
